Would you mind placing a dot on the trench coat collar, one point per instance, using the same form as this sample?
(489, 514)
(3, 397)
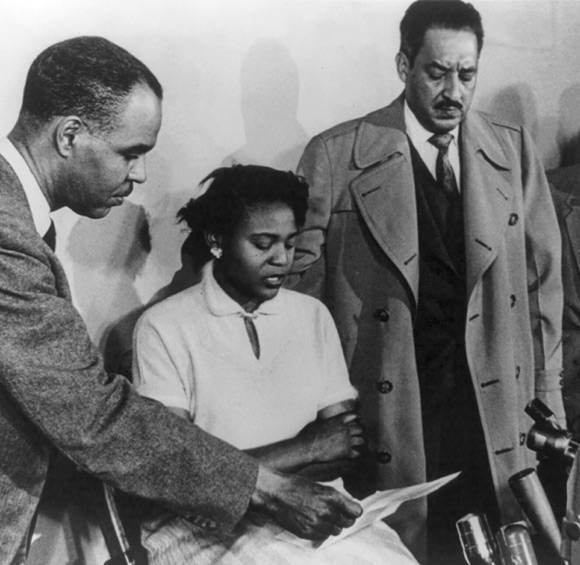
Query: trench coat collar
(374, 142)
(385, 192)
(373, 146)
(487, 193)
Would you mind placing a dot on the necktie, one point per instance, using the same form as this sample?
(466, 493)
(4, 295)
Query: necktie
(252, 332)
(453, 232)
(50, 236)
(444, 170)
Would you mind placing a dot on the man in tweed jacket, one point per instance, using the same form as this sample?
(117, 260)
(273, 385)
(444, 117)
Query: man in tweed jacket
(90, 112)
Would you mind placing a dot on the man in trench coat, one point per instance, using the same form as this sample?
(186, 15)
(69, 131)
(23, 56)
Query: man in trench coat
(448, 333)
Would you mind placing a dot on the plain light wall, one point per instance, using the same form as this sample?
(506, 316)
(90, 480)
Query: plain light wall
(252, 81)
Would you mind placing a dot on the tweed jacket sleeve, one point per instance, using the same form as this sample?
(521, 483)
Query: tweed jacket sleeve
(52, 377)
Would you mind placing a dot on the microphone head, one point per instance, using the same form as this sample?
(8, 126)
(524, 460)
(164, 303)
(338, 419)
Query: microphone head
(532, 498)
(516, 545)
(476, 540)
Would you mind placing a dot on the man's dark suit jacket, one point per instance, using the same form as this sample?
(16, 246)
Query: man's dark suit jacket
(566, 193)
(55, 395)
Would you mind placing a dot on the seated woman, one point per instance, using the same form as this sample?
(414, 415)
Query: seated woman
(257, 365)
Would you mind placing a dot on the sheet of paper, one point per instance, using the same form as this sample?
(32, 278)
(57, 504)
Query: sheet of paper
(376, 507)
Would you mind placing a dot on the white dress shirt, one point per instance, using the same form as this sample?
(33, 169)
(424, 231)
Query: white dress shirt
(36, 200)
(419, 137)
(192, 351)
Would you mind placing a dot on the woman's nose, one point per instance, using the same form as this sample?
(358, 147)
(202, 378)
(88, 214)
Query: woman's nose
(282, 255)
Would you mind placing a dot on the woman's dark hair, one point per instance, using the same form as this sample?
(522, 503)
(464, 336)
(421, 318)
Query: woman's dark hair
(232, 193)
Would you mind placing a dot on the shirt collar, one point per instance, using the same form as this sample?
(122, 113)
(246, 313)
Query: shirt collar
(38, 203)
(220, 303)
(416, 132)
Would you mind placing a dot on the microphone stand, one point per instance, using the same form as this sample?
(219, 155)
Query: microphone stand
(547, 438)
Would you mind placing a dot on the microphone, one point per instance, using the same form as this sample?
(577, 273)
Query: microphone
(477, 543)
(532, 498)
(571, 522)
(546, 437)
(516, 545)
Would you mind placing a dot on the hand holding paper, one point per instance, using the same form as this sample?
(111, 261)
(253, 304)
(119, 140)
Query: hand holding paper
(376, 507)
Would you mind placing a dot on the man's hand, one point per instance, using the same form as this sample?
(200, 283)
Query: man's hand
(307, 509)
(335, 438)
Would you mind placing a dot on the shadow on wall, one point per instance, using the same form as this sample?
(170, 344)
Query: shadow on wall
(557, 138)
(108, 255)
(517, 103)
(269, 103)
(274, 137)
(569, 122)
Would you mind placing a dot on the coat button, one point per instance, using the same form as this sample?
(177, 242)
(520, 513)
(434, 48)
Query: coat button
(382, 315)
(512, 300)
(518, 371)
(384, 457)
(384, 387)
(572, 530)
(513, 219)
(522, 439)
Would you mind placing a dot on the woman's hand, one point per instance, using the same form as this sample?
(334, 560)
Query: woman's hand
(339, 437)
(323, 450)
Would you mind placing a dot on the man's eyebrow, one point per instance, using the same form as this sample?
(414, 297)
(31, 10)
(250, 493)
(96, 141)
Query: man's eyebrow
(438, 66)
(434, 65)
(139, 149)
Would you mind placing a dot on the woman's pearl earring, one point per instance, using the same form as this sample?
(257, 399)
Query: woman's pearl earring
(216, 251)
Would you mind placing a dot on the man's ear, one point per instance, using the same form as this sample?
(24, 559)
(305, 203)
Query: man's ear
(65, 134)
(403, 66)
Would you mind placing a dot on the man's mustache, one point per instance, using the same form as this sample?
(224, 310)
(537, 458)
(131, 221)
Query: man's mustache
(448, 104)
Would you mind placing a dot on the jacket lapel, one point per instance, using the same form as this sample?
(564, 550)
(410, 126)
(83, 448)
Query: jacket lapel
(16, 204)
(385, 195)
(571, 215)
(384, 192)
(487, 195)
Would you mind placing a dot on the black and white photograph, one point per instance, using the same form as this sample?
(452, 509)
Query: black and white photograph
(290, 282)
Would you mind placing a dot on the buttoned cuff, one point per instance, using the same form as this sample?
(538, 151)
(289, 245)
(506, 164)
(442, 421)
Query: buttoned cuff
(548, 388)
(548, 380)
